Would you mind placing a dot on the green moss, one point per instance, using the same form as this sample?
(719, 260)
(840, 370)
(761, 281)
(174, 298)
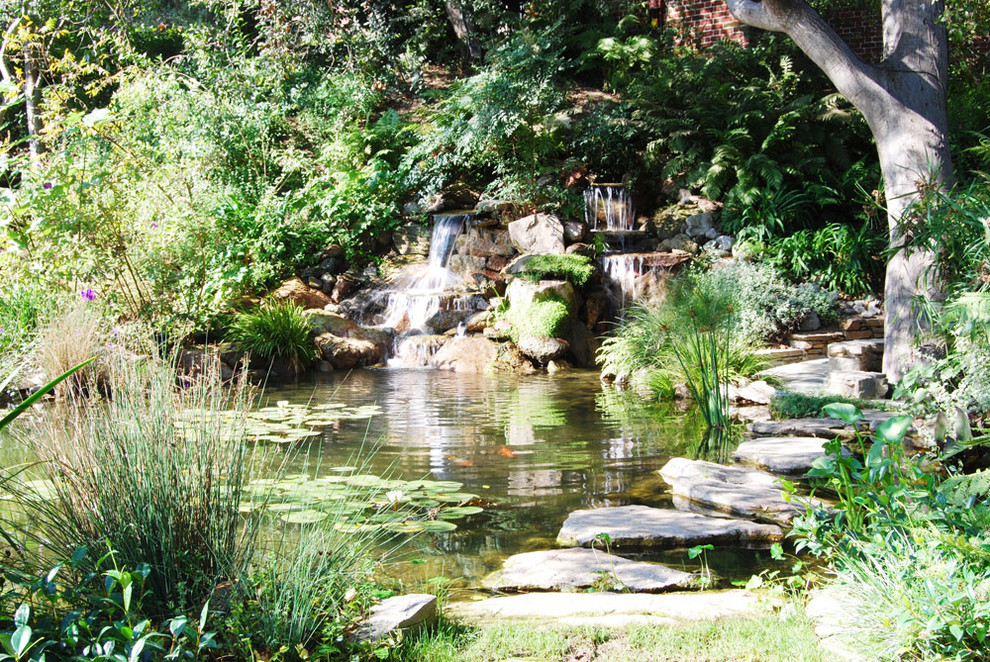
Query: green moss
(574, 268)
(542, 318)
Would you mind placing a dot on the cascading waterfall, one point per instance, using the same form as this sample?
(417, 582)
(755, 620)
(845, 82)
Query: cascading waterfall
(418, 294)
(608, 208)
(625, 273)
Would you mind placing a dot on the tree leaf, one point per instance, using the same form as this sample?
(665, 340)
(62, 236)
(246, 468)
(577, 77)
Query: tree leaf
(892, 430)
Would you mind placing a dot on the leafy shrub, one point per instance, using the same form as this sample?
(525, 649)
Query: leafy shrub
(574, 268)
(766, 306)
(910, 559)
(837, 257)
(788, 404)
(92, 608)
(751, 127)
(698, 317)
(275, 330)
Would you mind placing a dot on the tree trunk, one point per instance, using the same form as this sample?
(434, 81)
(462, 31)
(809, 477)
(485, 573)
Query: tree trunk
(461, 23)
(32, 97)
(903, 100)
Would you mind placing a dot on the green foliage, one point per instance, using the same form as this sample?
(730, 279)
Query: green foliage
(788, 404)
(501, 125)
(765, 305)
(752, 127)
(910, 558)
(574, 268)
(540, 318)
(837, 256)
(277, 329)
(91, 608)
(694, 336)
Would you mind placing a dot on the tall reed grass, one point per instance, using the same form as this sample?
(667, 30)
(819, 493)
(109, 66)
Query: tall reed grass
(134, 472)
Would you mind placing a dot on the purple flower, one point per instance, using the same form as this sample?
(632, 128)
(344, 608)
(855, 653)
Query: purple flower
(47, 185)
(154, 225)
(88, 294)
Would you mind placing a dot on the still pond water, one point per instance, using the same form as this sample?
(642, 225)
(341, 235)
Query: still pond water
(533, 448)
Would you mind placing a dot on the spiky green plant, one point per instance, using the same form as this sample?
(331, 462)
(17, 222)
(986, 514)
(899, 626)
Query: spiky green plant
(277, 329)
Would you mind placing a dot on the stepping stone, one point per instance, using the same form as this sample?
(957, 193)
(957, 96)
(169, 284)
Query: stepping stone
(788, 456)
(641, 527)
(826, 428)
(612, 609)
(705, 487)
(579, 568)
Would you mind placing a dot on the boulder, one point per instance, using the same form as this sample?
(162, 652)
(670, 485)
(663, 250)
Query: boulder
(542, 349)
(826, 428)
(789, 456)
(575, 231)
(856, 355)
(680, 242)
(416, 351)
(539, 233)
(611, 609)
(641, 527)
(402, 612)
(759, 392)
(494, 206)
(857, 384)
(582, 343)
(343, 288)
(720, 246)
(346, 353)
(302, 295)
(465, 354)
(697, 226)
(578, 568)
(524, 292)
(811, 322)
(479, 321)
(485, 242)
(411, 239)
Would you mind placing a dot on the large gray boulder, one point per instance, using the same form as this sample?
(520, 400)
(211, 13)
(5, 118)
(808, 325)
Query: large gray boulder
(542, 349)
(466, 354)
(524, 292)
(579, 568)
(641, 527)
(539, 233)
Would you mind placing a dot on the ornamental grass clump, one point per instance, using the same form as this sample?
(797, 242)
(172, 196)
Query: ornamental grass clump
(132, 471)
(277, 329)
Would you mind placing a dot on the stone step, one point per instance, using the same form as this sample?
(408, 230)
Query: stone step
(577, 568)
(612, 609)
(736, 491)
(825, 428)
(642, 527)
(785, 456)
(865, 355)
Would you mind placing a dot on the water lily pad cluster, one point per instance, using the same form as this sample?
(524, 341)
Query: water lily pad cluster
(283, 423)
(364, 502)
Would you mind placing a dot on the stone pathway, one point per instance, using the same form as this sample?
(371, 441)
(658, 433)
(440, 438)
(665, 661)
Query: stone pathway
(578, 568)
(807, 377)
(643, 528)
(612, 609)
(785, 456)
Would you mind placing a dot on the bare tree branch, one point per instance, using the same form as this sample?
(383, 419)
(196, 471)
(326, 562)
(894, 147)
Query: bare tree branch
(4, 71)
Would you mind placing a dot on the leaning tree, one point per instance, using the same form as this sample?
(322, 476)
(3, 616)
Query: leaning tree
(903, 99)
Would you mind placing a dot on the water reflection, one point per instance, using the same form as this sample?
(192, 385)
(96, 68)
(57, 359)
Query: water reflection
(535, 448)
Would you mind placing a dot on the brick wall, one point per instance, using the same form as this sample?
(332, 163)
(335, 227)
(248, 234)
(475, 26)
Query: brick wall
(708, 21)
(705, 22)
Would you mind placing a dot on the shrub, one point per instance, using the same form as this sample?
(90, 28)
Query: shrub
(788, 404)
(275, 330)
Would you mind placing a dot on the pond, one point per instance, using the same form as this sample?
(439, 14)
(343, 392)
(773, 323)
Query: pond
(533, 448)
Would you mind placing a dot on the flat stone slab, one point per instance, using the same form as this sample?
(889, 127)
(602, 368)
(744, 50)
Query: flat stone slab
(826, 428)
(612, 609)
(789, 456)
(579, 568)
(737, 491)
(806, 377)
(398, 613)
(641, 527)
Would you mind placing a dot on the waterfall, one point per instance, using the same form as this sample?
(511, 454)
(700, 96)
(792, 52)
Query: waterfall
(608, 207)
(623, 272)
(417, 294)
